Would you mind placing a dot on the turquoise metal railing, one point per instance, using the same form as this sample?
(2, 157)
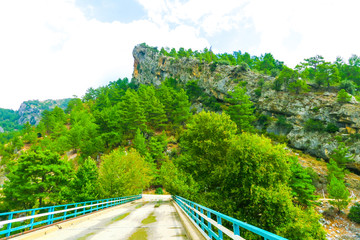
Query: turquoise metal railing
(29, 219)
(203, 218)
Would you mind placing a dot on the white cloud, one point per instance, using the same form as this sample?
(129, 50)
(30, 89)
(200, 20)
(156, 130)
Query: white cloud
(50, 50)
(325, 27)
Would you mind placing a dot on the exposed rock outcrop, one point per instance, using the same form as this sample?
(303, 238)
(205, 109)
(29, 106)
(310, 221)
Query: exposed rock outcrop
(216, 80)
(30, 111)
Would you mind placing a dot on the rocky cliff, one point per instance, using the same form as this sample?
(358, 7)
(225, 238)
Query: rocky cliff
(295, 110)
(30, 111)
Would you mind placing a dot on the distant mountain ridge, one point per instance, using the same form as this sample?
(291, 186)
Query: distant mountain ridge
(29, 111)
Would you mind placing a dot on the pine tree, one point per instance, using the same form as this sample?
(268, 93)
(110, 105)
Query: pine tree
(241, 110)
(338, 191)
(301, 184)
(36, 179)
(84, 186)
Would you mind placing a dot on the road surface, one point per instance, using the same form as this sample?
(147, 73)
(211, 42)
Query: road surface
(152, 217)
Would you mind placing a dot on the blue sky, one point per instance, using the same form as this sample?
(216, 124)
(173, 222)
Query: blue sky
(60, 48)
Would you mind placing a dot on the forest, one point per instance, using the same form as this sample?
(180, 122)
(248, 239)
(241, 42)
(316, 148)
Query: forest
(151, 136)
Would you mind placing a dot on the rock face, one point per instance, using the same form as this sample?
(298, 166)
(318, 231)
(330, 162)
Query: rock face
(296, 109)
(30, 111)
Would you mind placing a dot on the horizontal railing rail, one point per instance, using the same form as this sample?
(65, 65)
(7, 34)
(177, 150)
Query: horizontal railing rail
(203, 218)
(29, 219)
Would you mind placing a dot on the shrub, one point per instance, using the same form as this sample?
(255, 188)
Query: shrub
(263, 119)
(343, 96)
(354, 214)
(257, 92)
(331, 128)
(275, 72)
(244, 67)
(348, 86)
(159, 191)
(314, 125)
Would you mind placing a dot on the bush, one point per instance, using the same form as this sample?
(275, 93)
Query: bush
(257, 92)
(314, 125)
(348, 86)
(159, 191)
(343, 96)
(354, 214)
(244, 67)
(331, 128)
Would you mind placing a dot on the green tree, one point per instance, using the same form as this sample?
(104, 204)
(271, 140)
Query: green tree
(153, 108)
(123, 173)
(287, 76)
(38, 178)
(354, 214)
(338, 191)
(241, 110)
(343, 96)
(84, 186)
(298, 86)
(140, 143)
(326, 74)
(301, 185)
(341, 155)
(335, 171)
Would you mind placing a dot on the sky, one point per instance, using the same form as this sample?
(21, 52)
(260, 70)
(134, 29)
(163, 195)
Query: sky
(60, 48)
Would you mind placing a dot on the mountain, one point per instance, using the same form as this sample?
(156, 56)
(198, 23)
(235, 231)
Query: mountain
(313, 121)
(29, 111)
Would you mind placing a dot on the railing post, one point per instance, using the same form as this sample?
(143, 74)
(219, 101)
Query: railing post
(76, 209)
(202, 219)
(32, 220)
(50, 217)
(64, 216)
(84, 209)
(236, 229)
(9, 225)
(209, 224)
(219, 231)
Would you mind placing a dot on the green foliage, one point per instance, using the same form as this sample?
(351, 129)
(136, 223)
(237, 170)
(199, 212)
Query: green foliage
(283, 123)
(241, 110)
(343, 96)
(298, 86)
(301, 185)
(123, 174)
(176, 181)
(286, 76)
(84, 186)
(326, 74)
(9, 120)
(354, 214)
(335, 170)
(314, 125)
(225, 166)
(331, 128)
(159, 191)
(338, 191)
(348, 86)
(36, 179)
(341, 155)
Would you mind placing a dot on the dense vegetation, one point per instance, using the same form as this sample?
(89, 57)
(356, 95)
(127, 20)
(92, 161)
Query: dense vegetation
(9, 120)
(150, 136)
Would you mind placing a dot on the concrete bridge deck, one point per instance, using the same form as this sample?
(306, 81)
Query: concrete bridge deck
(152, 217)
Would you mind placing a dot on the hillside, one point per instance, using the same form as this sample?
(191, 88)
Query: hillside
(151, 132)
(313, 121)
(29, 111)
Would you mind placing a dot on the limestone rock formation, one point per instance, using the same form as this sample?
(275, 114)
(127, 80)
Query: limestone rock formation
(30, 111)
(216, 80)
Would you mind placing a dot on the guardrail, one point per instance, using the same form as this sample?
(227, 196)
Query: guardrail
(202, 217)
(29, 219)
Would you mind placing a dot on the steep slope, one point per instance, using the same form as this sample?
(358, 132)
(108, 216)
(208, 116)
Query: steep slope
(29, 111)
(295, 110)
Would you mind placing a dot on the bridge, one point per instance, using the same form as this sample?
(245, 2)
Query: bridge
(133, 217)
